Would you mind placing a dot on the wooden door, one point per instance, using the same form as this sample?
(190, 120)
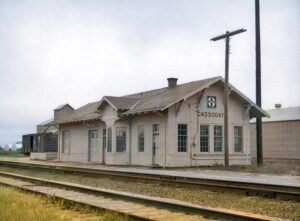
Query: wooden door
(93, 145)
(155, 144)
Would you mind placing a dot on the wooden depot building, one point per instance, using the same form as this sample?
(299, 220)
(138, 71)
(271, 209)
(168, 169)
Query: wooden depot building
(174, 126)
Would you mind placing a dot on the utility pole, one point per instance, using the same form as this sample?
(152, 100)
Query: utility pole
(259, 144)
(227, 36)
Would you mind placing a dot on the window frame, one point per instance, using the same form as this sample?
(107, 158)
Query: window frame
(182, 149)
(104, 138)
(207, 102)
(140, 150)
(154, 134)
(241, 137)
(109, 139)
(120, 149)
(208, 138)
(222, 138)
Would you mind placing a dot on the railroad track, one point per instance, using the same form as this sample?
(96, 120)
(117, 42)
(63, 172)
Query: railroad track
(258, 189)
(134, 205)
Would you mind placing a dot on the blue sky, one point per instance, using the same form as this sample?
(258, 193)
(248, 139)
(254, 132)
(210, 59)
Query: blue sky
(76, 51)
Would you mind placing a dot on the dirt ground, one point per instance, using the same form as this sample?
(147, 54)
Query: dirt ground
(278, 167)
(275, 167)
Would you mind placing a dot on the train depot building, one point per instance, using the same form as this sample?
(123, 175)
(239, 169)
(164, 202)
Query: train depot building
(175, 126)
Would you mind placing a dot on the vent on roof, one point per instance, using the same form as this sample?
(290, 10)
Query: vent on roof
(278, 106)
(172, 82)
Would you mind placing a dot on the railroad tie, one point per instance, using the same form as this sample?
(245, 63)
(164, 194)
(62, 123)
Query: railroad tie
(130, 208)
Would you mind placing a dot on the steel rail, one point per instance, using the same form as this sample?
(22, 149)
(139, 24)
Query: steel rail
(165, 203)
(259, 189)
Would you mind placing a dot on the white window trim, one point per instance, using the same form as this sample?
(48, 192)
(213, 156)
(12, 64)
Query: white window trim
(187, 141)
(243, 137)
(188, 136)
(138, 148)
(209, 137)
(213, 143)
(116, 138)
(111, 138)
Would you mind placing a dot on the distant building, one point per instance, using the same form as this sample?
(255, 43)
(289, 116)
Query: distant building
(16, 146)
(6, 147)
(281, 134)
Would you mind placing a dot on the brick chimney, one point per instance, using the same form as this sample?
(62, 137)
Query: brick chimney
(172, 82)
(278, 106)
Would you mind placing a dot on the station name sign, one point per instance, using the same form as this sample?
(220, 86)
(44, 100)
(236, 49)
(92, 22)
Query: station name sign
(210, 114)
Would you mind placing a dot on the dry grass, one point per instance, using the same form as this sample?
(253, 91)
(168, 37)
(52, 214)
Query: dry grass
(258, 205)
(16, 205)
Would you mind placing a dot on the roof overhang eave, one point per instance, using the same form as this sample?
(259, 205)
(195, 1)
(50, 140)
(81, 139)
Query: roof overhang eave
(256, 111)
(74, 121)
(52, 124)
(259, 112)
(141, 112)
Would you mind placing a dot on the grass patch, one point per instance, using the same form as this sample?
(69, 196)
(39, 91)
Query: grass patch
(16, 205)
(13, 154)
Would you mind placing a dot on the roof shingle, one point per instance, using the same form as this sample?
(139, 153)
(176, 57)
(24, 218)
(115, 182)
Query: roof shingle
(154, 100)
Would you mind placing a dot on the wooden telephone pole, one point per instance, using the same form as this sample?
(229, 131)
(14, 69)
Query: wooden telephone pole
(259, 144)
(227, 36)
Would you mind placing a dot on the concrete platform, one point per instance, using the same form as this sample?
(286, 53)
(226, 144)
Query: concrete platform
(43, 156)
(290, 181)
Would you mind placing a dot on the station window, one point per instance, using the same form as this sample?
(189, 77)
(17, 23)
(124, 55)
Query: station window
(155, 138)
(238, 139)
(66, 141)
(211, 101)
(218, 138)
(141, 143)
(182, 137)
(109, 139)
(204, 138)
(121, 139)
(104, 138)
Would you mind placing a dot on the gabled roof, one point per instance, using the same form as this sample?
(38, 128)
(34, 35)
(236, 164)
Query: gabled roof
(45, 123)
(86, 112)
(162, 99)
(119, 103)
(156, 100)
(62, 106)
(255, 110)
